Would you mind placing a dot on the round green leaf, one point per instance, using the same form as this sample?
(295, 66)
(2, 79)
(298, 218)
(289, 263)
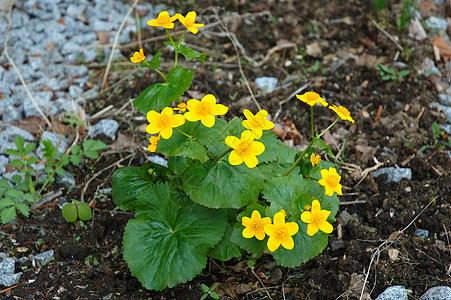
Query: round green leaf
(69, 212)
(159, 95)
(169, 243)
(126, 185)
(218, 184)
(84, 211)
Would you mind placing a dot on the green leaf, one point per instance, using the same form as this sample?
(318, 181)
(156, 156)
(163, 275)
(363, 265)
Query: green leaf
(155, 62)
(84, 211)
(205, 288)
(436, 130)
(275, 149)
(209, 137)
(23, 186)
(69, 212)
(126, 185)
(214, 295)
(160, 95)
(233, 128)
(274, 169)
(32, 160)
(190, 54)
(8, 214)
(76, 159)
(4, 185)
(321, 145)
(16, 163)
(218, 184)
(29, 147)
(5, 202)
(305, 247)
(291, 193)
(225, 249)
(178, 164)
(12, 152)
(404, 73)
(168, 244)
(386, 77)
(23, 208)
(154, 173)
(19, 141)
(181, 145)
(90, 148)
(387, 69)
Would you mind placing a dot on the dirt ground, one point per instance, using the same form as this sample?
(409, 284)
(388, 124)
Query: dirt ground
(332, 46)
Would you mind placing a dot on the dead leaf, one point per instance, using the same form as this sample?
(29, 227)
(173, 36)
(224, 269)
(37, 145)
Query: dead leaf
(314, 49)
(417, 31)
(393, 254)
(195, 94)
(443, 46)
(235, 289)
(426, 8)
(438, 83)
(369, 60)
(103, 37)
(2, 96)
(367, 43)
(329, 139)
(32, 124)
(123, 141)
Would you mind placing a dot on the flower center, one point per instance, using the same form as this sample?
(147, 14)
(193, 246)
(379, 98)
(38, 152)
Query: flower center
(317, 219)
(256, 226)
(204, 109)
(281, 233)
(332, 181)
(164, 121)
(244, 146)
(164, 19)
(257, 122)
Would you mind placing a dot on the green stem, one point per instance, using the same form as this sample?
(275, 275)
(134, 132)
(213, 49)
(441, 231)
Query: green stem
(299, 158)
(178, 48)
(161, 74)
(185, 134)
(196, 127)
(330, 126)
(223, 154)
(311, 121)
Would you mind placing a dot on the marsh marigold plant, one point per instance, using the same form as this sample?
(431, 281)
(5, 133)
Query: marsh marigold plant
(228, 185)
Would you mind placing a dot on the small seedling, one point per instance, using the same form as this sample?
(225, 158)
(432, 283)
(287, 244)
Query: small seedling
(390, 73)
(209, 291)
(76, 210)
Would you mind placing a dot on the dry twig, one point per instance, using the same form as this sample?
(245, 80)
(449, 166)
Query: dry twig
(116, 38)
(398, 45)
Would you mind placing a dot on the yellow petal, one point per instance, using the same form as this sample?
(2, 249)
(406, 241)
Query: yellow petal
(166, 133)
(152, 115)
(268, 125)
(273, 244)
(257, 132)
(256, 215)
(231, 141)
(260, 235)
(219, 109)
(192, 104)
(325, 227)
(270, 229)
(312, 229)
(329, 191)
(247, 124)
(293, 228)
(266, 221)
(248, 233)
(307, 217)
(257, 148)
(177, 120)
(152, 129)
(235, 159)
(251, 161)
(248, 114)
(288, 243)
(209, 98)
(247, 134)
(193, 30)
(208, 121)
(263, 114)
(153, 23)
(338, 190)
(325, 214)
(279, 219)
(246, 221)
(316, 207)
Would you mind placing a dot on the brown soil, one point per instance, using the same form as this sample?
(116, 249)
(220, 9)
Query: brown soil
(392, 123)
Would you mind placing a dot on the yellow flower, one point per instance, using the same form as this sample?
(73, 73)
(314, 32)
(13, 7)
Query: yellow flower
(342, 112)
(188, 21)
(257, 123)
(315, 159)
(316, 219)
(280, 233)
(245, 149)
(164, 122)
(181, 106)
(311, 98)
(255, 225)
(163, 20)
(331, 181)
(205, 110)
(153, 143)
(138, 57)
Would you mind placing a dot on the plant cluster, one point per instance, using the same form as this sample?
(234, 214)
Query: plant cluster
(230, 186)
(17, 194)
